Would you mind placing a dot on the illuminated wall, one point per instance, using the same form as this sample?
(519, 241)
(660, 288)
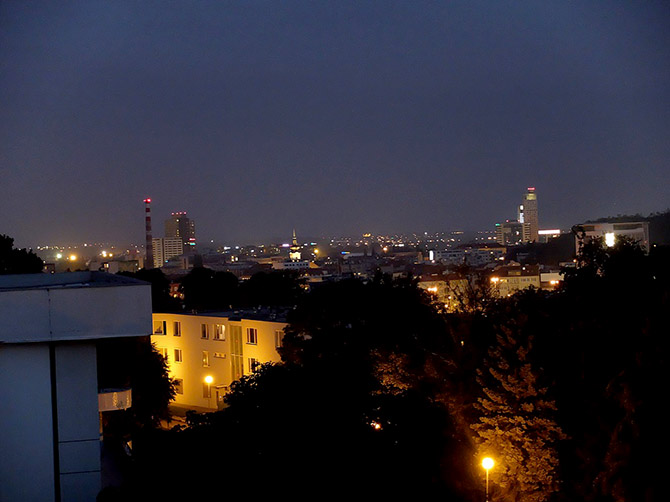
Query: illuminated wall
(223, 348)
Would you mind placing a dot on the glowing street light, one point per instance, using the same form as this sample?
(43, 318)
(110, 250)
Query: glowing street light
(487, 464)
(208, 380)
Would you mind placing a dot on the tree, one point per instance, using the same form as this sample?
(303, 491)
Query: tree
(276, 288)
(17, 261)
(135, 363)
(205, 289)
(517, 425)
(329, 419)
(608, 356)
(161, 301)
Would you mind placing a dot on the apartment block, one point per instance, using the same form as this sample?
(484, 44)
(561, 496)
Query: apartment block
(509, 279)
(207, 352)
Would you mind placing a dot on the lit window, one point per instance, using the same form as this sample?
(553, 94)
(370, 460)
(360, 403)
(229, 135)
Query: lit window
(219, 332)
(176, 328)
(160, 327)
(205, 359)
(178, 356)
(252, 336)
(204, 331)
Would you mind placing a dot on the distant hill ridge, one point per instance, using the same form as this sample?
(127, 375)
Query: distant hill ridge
(659, 224)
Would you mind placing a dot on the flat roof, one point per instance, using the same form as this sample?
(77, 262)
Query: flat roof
(264, 314)
(16, 282)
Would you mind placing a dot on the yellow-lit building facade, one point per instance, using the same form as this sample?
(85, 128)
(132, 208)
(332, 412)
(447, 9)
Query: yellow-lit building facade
(449, 291)
(207, 352)
(507, 280)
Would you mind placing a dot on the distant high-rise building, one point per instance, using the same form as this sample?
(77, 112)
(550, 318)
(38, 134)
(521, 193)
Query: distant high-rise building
(166, 248)
(180, 225)
(149, 257)
(528, 213)
(511, 233)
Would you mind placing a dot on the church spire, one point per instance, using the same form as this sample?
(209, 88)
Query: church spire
(294, 253)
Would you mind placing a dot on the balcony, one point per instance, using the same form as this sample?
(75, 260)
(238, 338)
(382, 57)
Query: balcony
(114, 399)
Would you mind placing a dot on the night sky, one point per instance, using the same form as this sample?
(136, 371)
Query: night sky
(330, 117)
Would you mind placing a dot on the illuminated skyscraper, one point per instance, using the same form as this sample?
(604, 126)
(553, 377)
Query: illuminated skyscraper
(179, 225)
(528, 213)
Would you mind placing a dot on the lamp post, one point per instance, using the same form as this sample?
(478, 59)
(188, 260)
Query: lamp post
(487, 464)
(208, 380)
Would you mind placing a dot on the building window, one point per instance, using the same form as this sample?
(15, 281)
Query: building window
(219, 332)
(252, 336)
(279, 338)
(178, 356)
(163, 351)
(205, 359)
(160, 327)
(176, 328)
(253, 365)
(178, 385)
(206, 390)
(204, 331)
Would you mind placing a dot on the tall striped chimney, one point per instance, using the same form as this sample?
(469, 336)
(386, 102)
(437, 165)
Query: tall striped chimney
(149, 250)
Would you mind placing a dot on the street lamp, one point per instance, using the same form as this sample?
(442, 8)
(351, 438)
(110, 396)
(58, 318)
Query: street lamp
(487, 464)
(208, 380)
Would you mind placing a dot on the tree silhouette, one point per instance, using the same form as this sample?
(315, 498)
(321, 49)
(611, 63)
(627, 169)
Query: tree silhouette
(17, 261)
(205, 289)
(161, 301)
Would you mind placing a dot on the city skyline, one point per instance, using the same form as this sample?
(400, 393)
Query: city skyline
(339, 120)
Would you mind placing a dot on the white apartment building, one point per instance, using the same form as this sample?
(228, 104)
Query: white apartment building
(50, 425)
(166, 248)
(636, 230)
(207, 352)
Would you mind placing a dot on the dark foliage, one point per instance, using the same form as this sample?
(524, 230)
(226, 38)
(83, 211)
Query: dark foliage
(331, 420)
(571, 377)
(205, 289)
(134, 363)
(17, 261)
(161, 301)
(276, 288)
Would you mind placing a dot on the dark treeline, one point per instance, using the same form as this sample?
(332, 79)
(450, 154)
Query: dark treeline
(380, 394)
(17, 261)
(204, 289)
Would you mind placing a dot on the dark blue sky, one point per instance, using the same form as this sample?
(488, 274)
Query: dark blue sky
(330, 117)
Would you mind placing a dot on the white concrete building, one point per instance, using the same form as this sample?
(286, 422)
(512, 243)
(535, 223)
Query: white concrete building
(636, 230)
(166, 248)
(49, 425)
